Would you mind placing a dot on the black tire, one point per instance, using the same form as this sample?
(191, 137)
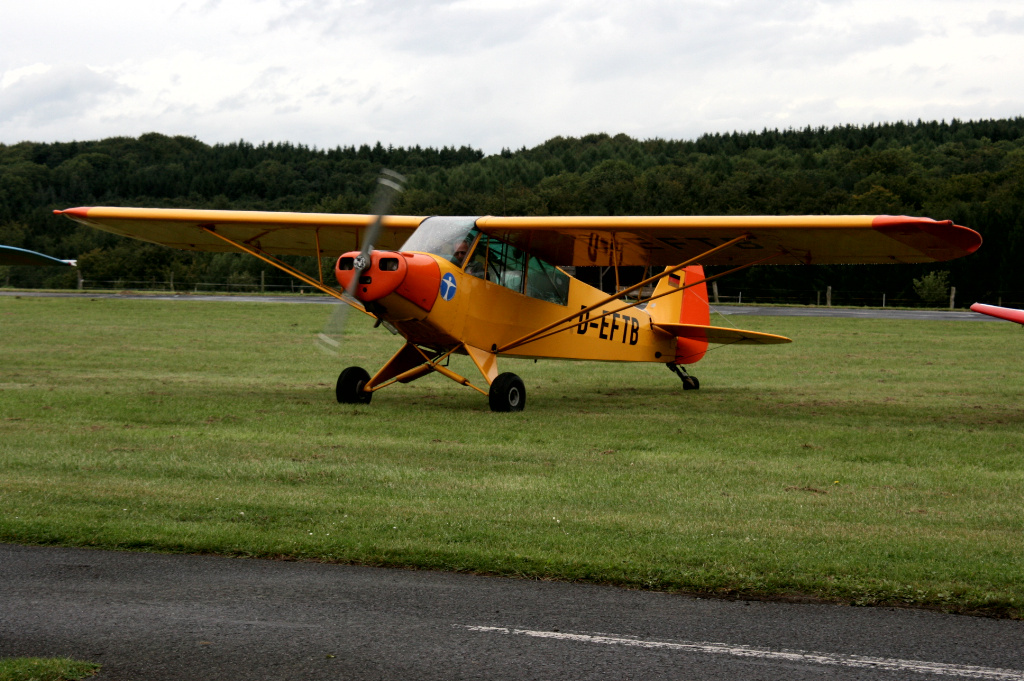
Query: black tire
(691, 383)
(507, 393)
(350, 386)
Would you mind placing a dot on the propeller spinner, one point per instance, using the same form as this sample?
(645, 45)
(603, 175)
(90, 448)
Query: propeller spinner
(389, 186)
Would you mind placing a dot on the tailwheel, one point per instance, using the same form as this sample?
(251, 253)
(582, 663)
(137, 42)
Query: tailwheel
(507, 393)
(689, 382)
(350, 386)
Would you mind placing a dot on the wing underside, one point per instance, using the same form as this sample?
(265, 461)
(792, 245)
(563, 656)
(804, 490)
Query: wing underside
(790, 240)
(269, 232)
(579, 241)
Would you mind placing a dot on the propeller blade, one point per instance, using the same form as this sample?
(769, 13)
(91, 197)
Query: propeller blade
(389, 186)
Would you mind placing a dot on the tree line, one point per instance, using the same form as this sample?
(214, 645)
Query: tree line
(969, 171)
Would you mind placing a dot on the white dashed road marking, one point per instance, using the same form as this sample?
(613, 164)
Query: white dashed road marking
(852, 661)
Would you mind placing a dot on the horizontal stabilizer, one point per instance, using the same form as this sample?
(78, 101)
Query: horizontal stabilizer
(721, 334)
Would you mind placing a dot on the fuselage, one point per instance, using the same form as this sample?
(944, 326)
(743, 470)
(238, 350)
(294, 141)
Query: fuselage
(474, 290)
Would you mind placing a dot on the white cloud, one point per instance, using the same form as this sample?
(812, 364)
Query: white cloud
(41, 96)
(1001, 21)
(497, 73)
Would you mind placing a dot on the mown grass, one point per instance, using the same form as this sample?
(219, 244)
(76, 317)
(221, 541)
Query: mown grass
(45, 669)
(868, 462)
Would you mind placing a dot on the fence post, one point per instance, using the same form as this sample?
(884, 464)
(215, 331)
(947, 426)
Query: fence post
(740, 300)
(883, 301)
(828, 297)
(714, 291)
(952, 296)
(263, 275)
(172, 281)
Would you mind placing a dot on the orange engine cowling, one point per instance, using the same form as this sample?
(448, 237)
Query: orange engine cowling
(414, 276)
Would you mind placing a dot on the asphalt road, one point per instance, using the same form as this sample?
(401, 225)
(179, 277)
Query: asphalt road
(150, 616)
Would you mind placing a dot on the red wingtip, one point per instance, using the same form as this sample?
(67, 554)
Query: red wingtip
(1007, 313)
(73, 212)
(958, 237)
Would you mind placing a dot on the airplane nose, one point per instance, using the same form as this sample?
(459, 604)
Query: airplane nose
(379, 277)
(414, 276)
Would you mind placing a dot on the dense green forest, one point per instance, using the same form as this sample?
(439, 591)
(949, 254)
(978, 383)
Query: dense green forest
(970, 172)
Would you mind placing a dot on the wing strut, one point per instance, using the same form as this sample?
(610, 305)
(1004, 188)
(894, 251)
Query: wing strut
(552, 328)
(533, 335)
(281, 265)
(409, 355)
(647, 300)
(319, 256)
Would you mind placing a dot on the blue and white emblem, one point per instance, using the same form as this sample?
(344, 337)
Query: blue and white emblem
(448, 286)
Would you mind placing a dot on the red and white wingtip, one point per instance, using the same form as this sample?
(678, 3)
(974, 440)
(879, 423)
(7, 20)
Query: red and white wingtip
(1007, 313)
(73, 212)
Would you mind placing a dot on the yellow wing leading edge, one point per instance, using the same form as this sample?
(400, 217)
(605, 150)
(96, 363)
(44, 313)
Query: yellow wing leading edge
(579, 241)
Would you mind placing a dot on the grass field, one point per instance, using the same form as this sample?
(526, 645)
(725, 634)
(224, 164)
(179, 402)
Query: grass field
(868, 462)
(40, 669)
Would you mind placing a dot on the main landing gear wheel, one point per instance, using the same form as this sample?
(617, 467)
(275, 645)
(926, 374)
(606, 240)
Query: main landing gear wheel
(350, 386)
(507, 393)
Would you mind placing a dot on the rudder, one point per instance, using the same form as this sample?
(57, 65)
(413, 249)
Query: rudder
(689, 307)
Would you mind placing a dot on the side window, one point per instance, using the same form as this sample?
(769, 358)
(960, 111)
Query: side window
(547, 282)
(477, 263)
(506, 265)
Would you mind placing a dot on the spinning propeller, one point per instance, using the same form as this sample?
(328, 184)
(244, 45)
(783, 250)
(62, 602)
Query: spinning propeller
(389, 186)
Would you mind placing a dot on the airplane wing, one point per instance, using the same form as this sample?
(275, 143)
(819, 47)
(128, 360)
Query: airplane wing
(721, 334)
(11, 255)
(1007, 313)
(576, 240)
(802, 239)
(270, 232)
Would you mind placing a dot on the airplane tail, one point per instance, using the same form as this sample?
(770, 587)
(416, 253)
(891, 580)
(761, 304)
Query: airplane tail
(689, 307)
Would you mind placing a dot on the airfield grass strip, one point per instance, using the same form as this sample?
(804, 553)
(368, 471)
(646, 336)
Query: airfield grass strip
(45, 669)
(869, 462)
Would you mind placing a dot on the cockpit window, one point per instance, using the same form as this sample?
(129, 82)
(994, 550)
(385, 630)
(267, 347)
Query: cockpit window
(443, 236)
(504, 264)
(492, 260)
(547, 282)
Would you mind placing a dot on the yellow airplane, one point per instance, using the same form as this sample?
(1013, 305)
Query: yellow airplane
(491, 287)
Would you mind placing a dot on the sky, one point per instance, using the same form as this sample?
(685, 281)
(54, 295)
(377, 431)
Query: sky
(494, 74)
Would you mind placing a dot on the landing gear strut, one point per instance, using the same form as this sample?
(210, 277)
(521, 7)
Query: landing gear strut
(689, 382)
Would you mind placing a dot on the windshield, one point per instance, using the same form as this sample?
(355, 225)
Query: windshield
(443, 236)
(492, 260)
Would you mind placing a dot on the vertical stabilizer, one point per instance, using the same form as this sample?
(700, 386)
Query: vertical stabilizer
(688, 307)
